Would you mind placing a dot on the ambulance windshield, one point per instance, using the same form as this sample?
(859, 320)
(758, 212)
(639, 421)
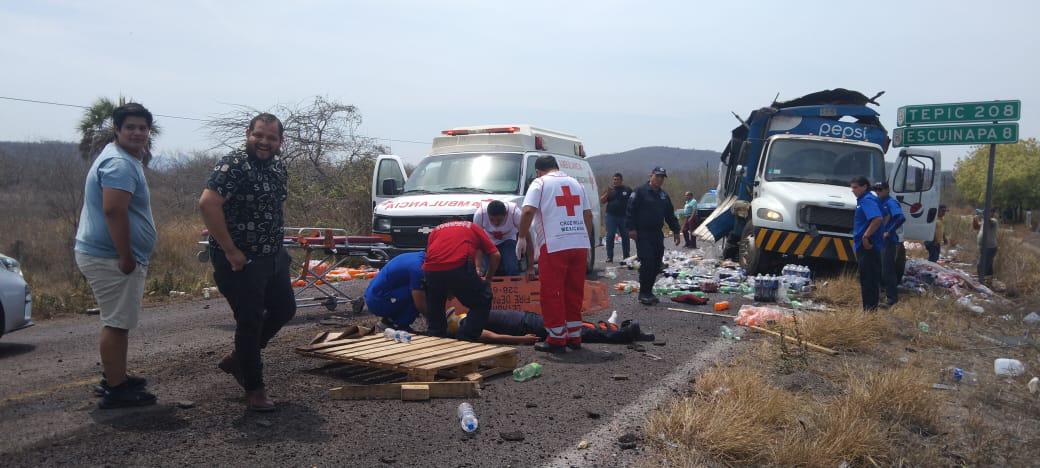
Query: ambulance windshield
(467, 173)
(822, 162)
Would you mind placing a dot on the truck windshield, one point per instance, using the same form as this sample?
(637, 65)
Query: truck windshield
(822, 162)
(467, 173)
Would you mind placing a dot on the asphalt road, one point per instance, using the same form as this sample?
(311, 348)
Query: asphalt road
(48, 414)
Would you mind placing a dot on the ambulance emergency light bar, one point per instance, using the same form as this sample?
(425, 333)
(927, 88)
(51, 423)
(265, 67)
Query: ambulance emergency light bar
(463, 131)
(539, 142)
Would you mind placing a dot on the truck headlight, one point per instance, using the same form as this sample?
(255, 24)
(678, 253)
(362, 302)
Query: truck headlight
(382, 225)
(769, 215)
(11, 265)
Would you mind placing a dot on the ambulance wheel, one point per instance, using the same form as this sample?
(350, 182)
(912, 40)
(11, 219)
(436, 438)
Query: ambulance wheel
(753, 259)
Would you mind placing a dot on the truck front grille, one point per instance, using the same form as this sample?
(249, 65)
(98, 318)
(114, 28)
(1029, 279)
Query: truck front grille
(829, 219)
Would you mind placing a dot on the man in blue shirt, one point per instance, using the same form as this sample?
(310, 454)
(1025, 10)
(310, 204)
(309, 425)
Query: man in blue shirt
(114, 243)
(397, 293)
(893, 219)
(867, 240)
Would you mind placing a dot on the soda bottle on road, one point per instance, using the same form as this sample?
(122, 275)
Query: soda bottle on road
(467, 418)
(528, 372)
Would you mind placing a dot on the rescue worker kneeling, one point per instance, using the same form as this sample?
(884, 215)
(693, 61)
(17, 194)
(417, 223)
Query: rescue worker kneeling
(398, 292)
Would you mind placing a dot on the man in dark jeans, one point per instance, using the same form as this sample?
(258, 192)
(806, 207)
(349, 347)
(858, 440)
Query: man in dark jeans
(450, 271)
(648, 210)
(242, 208)
(867, 241)
(616, 200)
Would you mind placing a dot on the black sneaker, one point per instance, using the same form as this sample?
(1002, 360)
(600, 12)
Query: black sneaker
(548, 348)
(646, 299)
(232, 367)
(137, 383)
(123, 396)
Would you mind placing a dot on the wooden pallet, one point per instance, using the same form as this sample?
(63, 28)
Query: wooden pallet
(422, 359)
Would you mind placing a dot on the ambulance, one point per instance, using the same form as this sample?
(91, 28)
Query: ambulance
(467, 166)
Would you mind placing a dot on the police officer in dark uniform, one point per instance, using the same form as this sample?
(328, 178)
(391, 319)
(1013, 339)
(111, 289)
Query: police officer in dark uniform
(648, 210)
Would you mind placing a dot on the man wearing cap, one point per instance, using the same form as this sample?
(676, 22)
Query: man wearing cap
(397, 293)
(648, 210)
(893, 219)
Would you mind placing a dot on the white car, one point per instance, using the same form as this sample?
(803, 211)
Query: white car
(15, 297)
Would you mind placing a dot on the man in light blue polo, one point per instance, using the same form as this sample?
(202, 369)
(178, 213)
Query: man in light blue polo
(114, 243)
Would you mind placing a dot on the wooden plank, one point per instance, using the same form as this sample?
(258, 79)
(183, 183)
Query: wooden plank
(415, 392)
(371, 347)
(440, 363)
(791, 339)
(379, 341)
(444, 353)
(334, 343)
(405, 349)
(698, 312)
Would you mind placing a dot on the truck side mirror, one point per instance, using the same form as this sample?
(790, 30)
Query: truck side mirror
(389, 187)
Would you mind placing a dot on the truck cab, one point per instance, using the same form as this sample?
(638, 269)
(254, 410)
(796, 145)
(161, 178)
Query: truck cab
(784, 181)
(466, 167)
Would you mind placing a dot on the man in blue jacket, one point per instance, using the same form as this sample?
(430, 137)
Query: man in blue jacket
(893, 219)
(398, 292)
(867, 240)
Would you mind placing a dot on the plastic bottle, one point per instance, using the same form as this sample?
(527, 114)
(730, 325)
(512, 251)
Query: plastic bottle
(721, 306)
(923, 327)
(613, 318)
(467, 418)
(728, 333)
(528, 372)
(1008, 367)
(399, 336)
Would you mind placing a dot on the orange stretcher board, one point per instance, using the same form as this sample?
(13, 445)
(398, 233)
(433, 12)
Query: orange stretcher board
(518, 293)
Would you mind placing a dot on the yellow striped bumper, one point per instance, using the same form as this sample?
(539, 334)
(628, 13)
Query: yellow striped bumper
(803, 244)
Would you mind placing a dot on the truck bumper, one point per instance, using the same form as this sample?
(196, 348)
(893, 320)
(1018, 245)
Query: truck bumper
(803, 244)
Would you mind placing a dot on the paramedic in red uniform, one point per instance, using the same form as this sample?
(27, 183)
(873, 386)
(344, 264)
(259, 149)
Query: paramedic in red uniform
(557, 205)
(450, 269)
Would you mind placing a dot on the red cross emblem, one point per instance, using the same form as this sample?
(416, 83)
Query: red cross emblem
(568, 200)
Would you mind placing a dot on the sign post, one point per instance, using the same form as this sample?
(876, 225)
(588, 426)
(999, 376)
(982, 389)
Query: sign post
(966, 132)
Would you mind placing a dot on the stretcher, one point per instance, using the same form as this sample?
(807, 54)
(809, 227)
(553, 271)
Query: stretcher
(325, 252)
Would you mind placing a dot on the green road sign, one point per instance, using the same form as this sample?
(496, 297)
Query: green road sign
(932, 135)
(990, 111)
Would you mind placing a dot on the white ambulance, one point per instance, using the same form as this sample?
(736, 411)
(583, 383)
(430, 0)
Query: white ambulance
(467, 166)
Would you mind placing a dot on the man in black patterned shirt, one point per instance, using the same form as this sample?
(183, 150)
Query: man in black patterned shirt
(242, 208)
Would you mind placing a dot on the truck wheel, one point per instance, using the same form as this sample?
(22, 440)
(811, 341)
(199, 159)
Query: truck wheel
(752, 258)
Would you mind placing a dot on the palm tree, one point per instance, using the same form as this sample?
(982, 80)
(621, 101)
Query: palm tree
(96, 129)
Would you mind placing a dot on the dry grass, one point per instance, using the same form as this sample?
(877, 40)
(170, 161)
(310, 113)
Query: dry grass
(734, 415)
(842, 291)
(846, 329)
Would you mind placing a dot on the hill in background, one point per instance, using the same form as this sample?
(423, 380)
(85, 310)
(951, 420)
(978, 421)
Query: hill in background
(637, 163)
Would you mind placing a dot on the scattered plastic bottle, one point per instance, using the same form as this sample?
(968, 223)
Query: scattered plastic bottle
(613, 318)
(728, 333)
(961, 376)
(528, 372)
(1008, 367)
(467, 418)
(923, 327)
(721, 306)
(399, 336)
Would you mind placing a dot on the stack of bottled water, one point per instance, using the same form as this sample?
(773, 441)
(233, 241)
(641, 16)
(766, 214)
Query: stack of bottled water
(796, 270)
(766, 288)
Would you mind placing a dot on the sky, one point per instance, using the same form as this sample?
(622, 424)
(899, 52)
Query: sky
(619, 74)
